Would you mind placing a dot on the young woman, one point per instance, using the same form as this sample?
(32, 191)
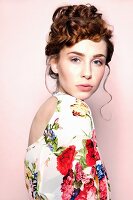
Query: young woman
(63, 160)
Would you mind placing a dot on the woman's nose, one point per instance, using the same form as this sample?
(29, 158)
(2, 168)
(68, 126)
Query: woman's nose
(86, 71)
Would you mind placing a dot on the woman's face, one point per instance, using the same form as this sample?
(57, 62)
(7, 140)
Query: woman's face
(81, 68)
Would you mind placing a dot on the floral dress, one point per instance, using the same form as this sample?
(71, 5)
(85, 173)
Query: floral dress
(65, 163)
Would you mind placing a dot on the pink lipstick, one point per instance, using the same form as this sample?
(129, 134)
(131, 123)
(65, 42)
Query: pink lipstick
(85, 87)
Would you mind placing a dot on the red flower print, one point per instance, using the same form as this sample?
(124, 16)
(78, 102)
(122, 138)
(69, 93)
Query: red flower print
(89, 145)
(97, 156)
(82, 196)
(75, 113)
(65, 159)
(90, 159)
(93, 171)
(88, 185)
(92, 155)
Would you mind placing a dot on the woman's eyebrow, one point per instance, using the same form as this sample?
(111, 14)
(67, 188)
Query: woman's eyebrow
(83, 55)
(77, 53)
(99, 55)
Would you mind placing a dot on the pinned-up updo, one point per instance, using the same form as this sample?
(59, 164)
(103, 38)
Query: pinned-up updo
(74, 23)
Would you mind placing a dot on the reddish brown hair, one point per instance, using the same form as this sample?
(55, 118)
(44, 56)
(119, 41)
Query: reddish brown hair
(74, 23)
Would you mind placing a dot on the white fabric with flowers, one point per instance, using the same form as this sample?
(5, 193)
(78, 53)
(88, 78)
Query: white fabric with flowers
(65, 163)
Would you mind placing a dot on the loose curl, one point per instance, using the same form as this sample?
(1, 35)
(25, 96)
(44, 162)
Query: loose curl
(72, 24)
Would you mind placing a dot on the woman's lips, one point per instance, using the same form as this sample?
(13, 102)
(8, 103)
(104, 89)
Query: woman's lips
(85, 87)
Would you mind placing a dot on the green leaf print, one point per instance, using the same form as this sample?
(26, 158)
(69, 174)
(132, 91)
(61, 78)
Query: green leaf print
(58, 106)
(54, 144)
(59, 151)
(83, 162)
(34, 166)
(26, 162)
(55, 126)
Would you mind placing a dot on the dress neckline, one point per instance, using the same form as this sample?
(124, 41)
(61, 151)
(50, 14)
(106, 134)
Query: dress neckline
(59, 93)
(64, 94)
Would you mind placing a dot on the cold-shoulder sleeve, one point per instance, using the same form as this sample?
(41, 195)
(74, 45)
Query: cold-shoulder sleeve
(66, 161)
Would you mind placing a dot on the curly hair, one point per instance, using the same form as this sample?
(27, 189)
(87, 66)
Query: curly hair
(74, 23)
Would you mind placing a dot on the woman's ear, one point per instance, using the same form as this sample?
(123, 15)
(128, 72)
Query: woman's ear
(54, 65)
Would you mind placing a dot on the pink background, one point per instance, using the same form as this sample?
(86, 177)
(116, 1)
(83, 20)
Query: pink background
(23, 28)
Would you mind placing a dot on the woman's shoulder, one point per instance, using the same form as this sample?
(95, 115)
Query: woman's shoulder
(41, 119)
(48, 105)
(46, 109)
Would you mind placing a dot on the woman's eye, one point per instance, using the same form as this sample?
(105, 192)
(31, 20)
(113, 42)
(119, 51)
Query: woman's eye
(75, 59)
(98, 62)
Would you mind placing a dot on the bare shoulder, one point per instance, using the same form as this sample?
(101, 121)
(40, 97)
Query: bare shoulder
(41, 119)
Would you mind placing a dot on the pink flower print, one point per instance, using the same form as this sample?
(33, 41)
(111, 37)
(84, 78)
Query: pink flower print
(87, 191)
(67, 186)
(79, 172)
(91, 195)
(94, 138)
(103, 189)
